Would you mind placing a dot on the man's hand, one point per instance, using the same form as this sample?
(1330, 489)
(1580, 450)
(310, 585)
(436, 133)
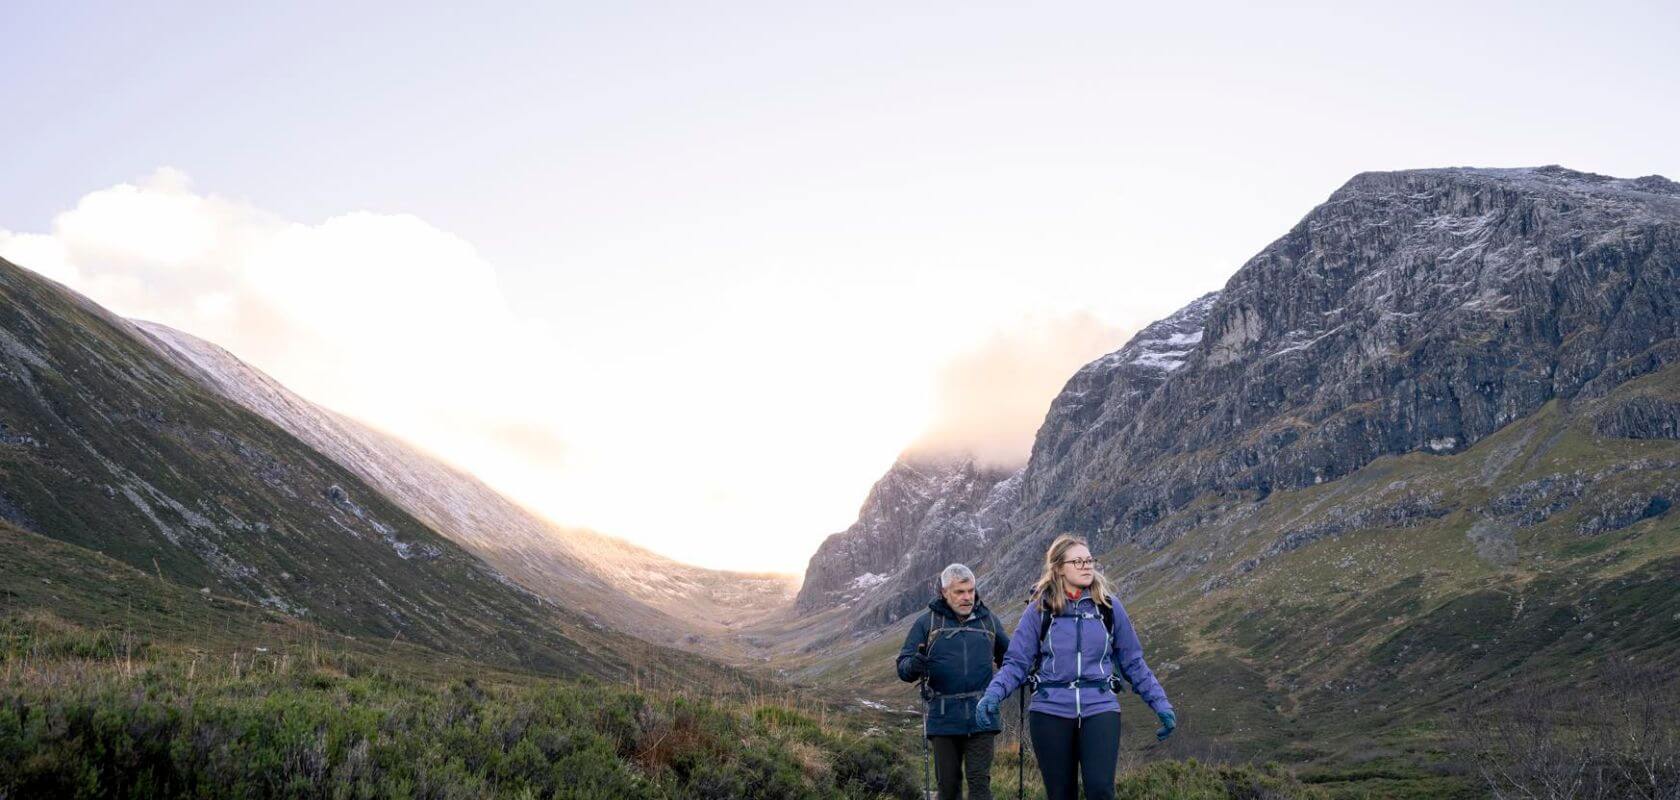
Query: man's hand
(1169, 723)
(918, 664)
(986, 712)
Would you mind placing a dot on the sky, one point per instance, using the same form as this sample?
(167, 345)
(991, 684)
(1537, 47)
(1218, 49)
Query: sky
(695, 274)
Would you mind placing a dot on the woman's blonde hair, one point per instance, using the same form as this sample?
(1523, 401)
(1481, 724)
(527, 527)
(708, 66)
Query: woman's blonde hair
(1051, 588)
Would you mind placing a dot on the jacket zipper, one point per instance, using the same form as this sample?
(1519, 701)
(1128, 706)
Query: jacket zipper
(1078, 663)
(965, 651)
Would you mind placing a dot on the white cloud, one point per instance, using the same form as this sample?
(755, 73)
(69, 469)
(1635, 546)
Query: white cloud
(380, 316)
(990, 401)
(41, 253)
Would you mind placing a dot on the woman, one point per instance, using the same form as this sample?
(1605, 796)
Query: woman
(1070, 642)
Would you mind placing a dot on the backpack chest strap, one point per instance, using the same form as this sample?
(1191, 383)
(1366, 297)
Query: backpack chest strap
(1103, 612)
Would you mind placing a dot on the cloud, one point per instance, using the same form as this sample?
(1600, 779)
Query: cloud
(990, 400)
(536, 443)
(379, 316)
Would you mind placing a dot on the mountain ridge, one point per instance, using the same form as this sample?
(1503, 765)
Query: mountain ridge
(616, 583)
(112, 451)
(1519, 284)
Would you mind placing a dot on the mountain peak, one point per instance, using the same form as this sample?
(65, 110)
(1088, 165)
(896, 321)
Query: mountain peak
(1550, 178)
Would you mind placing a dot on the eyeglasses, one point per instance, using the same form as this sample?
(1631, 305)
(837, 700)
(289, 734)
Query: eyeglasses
(1081, 562)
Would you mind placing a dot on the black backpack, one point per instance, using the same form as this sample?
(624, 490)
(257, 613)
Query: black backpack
(936, 624)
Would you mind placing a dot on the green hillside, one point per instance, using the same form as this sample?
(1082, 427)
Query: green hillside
(106, 446)
(1423, 588)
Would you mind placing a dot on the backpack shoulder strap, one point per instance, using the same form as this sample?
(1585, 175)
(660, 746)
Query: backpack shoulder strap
(936, 623)
(1107, 610)
(1045, 615)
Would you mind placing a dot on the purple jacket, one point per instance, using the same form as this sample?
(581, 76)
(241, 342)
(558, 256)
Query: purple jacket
(1077, 648)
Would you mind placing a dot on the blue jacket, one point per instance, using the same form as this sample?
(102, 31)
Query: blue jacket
(1078, 657)
(961, 657)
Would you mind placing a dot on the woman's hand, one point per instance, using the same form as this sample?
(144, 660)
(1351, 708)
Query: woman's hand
(1169, 723)
(986, 711)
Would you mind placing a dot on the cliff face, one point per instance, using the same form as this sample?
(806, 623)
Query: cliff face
(1102, 398)
(1413, 311)
(923, 514)
(926, 513)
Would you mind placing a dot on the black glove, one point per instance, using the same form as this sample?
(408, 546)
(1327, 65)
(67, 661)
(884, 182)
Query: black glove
(918, 665)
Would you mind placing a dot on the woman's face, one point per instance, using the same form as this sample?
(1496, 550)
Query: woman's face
(1077, 568)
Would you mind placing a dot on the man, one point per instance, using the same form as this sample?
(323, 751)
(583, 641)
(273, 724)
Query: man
(953, 650)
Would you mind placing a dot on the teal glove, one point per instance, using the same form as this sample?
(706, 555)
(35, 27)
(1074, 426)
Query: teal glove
(1169, 723)
(986, 712)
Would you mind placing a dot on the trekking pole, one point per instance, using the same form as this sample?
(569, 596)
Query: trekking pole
(928, 757)
(927, 751)
(1021, 746)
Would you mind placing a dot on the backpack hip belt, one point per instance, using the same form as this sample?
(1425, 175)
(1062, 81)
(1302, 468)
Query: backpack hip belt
(1083, 683)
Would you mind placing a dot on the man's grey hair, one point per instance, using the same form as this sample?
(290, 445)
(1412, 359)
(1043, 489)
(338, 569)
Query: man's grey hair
(955, 573)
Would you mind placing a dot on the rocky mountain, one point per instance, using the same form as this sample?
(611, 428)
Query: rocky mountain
(115, 452)
(1414, 310)
(613, 582)
(925, 513)
(1103, 396)
(928, 512)
(1418, 452)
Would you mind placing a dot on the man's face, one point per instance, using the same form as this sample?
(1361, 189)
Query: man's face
(959, 596)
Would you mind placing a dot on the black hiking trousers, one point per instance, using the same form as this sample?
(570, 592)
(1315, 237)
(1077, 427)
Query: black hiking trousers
(1068, 752)
(955, 756)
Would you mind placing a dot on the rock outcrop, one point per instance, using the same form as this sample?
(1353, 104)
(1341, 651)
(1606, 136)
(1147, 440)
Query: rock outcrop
(925, 513)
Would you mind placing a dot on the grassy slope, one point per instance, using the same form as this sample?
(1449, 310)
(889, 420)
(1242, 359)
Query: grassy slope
(87, 714)
(80, 588)
(1364, 649)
